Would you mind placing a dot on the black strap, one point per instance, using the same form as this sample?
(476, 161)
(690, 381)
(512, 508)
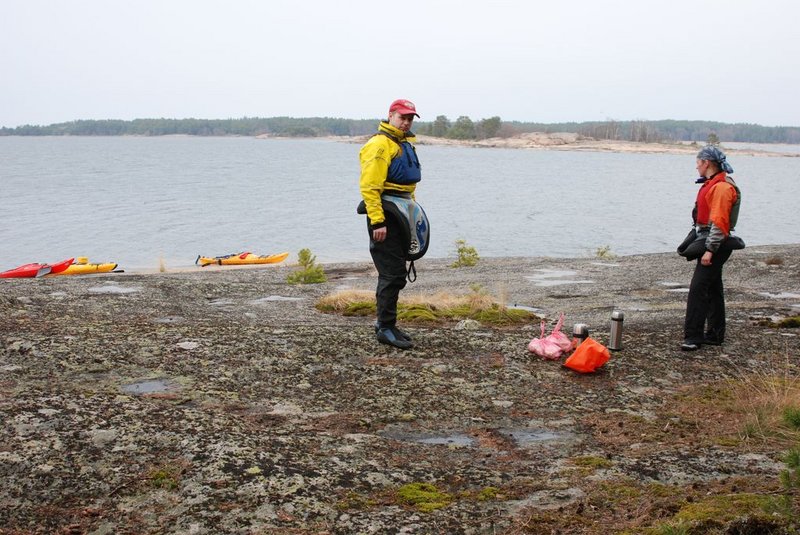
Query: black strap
(411, 269)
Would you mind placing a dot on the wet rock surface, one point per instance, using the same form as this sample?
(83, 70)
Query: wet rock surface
(224, 402)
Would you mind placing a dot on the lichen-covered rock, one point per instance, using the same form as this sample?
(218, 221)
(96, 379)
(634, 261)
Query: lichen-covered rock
(191, 403)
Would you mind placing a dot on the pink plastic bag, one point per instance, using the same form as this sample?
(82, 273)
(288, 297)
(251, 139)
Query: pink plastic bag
(553, 346)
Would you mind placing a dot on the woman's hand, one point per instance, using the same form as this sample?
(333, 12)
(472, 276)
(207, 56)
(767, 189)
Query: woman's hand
(706, 260)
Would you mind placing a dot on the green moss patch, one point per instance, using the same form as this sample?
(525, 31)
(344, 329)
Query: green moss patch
(416, 313)
(590, 462)
(424, 497)
(725, 509)
(167, 476)
(791, 322)
(360, 308)
(489, 493)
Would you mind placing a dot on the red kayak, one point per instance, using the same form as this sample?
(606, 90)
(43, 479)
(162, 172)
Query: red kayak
(36, 270)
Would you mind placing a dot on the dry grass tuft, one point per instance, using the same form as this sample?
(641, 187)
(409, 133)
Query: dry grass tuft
(339, 301)
(445, 301)
(765, 398)
(417, 307)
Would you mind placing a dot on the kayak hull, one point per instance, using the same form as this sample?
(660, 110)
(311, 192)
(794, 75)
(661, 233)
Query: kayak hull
(241, 259)
(25, 271)
(83, 269)
(36, 270)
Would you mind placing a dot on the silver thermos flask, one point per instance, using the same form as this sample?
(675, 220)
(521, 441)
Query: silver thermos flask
(615, 340)
(580, 332)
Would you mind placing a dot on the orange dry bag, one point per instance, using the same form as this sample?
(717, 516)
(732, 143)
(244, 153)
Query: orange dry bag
(589, 356)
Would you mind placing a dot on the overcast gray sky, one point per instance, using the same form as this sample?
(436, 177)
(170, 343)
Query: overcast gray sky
(526, 60)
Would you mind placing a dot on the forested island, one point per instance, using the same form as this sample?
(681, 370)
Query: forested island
(463, 128)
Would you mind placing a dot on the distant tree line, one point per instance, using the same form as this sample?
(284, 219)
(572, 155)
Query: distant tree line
(462, 128)
(668, 130)
(246, 126)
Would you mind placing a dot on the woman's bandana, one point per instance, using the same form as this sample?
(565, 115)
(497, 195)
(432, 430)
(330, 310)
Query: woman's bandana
(713, 154)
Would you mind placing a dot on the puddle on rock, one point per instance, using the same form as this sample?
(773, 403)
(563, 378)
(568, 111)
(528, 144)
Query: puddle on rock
(455, 440)
(438, 439)
(272, 298)
(220, 302)
(522, 437)
(532, 310)
(150, 386)
(169, 320)
(526, 437)
(782, 295)
(555, 277)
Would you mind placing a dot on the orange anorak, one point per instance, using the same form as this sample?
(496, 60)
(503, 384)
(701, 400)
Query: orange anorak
(715, 200)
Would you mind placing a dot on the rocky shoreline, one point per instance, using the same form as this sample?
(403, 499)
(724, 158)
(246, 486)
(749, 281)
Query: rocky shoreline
(222, 401)
(568, 141)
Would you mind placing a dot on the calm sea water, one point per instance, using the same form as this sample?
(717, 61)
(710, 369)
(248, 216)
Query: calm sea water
(138, 200)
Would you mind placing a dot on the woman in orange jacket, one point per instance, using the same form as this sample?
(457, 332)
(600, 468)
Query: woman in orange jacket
(715, 214)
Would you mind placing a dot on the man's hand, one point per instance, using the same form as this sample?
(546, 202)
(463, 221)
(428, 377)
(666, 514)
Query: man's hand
(379, 234)
(706, 260)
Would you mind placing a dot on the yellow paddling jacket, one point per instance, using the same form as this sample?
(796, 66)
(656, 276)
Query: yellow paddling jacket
(379, 161)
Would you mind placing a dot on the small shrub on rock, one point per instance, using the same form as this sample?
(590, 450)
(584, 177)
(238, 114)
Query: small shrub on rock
(467, 256)
(604, 253)
(311, 273)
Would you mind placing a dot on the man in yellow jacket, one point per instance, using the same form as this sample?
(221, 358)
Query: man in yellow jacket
(389, 164)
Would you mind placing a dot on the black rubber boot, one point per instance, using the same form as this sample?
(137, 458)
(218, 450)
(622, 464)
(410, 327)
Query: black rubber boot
(387, 336)
(398, 332)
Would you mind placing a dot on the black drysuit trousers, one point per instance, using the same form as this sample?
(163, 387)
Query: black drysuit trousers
(389, 257)
(706, 301)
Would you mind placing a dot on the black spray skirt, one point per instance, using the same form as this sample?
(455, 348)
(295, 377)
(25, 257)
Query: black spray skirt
(694, 245)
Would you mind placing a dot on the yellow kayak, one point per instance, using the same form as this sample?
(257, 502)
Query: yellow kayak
(240, 259)
(81, 266)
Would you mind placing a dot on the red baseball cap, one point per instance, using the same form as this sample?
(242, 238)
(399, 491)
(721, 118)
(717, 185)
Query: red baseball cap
(404, 107)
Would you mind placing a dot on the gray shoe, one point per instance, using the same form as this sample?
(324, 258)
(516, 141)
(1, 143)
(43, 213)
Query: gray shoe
(386, 335)
(690, 346)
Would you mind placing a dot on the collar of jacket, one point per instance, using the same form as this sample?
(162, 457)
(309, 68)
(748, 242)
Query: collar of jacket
(719, 177)
(395, 133)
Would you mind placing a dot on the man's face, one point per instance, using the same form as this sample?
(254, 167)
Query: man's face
(401, 122)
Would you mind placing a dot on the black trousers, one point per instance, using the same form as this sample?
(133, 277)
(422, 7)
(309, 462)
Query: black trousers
(706, 301)
(390, 261)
